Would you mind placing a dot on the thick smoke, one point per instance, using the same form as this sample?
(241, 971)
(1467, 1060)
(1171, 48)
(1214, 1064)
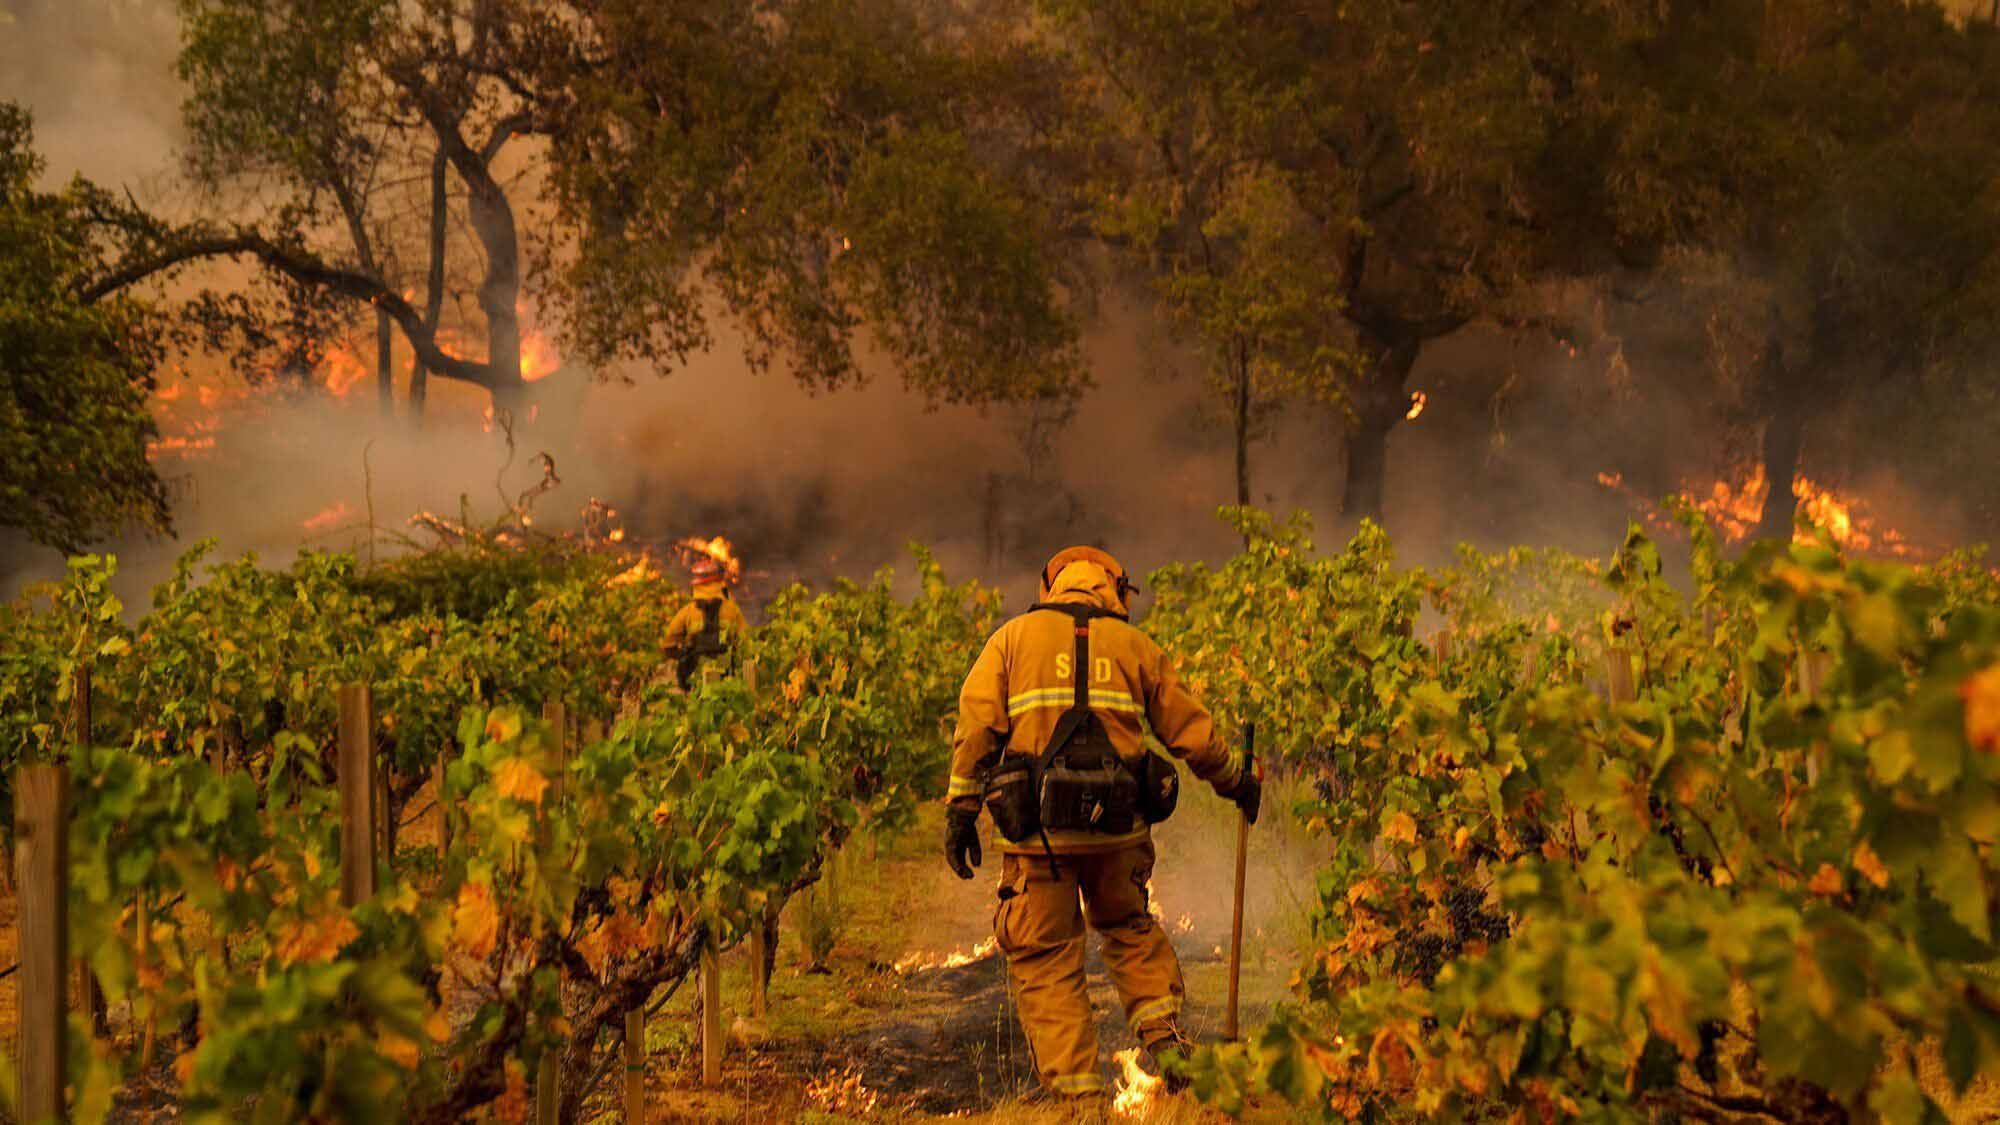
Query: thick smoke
(1508, 450)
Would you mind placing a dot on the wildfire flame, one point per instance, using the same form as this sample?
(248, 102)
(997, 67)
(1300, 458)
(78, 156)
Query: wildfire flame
(1418, 400)
(328, 518)
(640, 571)
(1735, 508)
(1184, 924)
(538, 356)
(1137, 1092)
(344, 371)
(719, 549)
(923, 962)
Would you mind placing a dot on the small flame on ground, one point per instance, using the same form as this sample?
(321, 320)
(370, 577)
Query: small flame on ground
(327, 518)
(1137, 1091)
(1418, 400)
(1181, 925)
(924, 962)
(842, 1093)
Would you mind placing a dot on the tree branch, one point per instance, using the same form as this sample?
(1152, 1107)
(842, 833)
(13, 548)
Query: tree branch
(301, 267)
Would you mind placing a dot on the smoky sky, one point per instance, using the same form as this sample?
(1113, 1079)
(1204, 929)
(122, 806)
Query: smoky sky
(817, 485)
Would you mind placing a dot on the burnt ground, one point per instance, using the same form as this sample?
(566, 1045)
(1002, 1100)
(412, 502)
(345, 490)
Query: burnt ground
(865, 1041)
(964, 1050)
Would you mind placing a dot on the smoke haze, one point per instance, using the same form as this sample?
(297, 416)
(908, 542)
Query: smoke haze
(1508, 449)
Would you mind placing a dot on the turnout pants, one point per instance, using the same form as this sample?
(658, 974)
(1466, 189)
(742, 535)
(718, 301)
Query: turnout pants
(1040, 927)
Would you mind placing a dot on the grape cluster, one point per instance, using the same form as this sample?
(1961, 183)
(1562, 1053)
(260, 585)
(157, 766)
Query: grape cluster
(1694, 863)
(1421, 954)
(1470, 920)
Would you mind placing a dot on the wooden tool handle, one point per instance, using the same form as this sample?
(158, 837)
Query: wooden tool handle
(1236, 922)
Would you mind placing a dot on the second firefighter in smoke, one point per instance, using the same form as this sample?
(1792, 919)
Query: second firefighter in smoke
(1051, 740)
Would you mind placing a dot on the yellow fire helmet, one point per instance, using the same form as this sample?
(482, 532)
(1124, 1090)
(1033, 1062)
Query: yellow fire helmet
(1097, 555)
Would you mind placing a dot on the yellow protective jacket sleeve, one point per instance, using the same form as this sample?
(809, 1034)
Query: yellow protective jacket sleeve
(687, 622)
(1022, 683)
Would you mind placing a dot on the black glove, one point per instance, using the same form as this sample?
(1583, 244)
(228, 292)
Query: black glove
(961, 840)
(1248, 792)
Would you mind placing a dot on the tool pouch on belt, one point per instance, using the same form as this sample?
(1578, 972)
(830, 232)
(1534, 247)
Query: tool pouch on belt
(1086, 785)
(1010, 796)
(1159, 788)
(1078, 782)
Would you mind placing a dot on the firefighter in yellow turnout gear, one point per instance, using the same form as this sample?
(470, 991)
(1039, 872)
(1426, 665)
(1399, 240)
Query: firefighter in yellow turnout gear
(1025, 749)
(704, 634)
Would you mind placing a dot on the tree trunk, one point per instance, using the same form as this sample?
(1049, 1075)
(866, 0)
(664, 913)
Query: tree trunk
(433, 280)
(1378, 404)
(1242, 421)
(385, 369)
(1779, 392)
(1784, 433)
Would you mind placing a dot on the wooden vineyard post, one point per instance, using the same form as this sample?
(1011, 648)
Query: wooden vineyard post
(443, 810)
(1441, 650)
(711, 1013)
(151, 1031)
(357, 796)
(1531, 666)
(379, 798)
(548, 1088)
(41, 857)
(760, 976)
(88, 994)
(554, 714)
(1618, 675)
(1815, 668)
(635, 1066)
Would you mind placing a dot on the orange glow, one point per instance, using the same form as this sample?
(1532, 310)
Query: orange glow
(344, 371)
(718, 549)
(179, 446)
(1734, 509)
(328, 518)
(1418, 400)
(538, 356)
(1137, 1091)
(920, 962)
(640, 571)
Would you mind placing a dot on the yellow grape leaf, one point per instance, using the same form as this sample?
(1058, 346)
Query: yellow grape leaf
(518, 778)
(437, 1026)
(184, 1065)
(1402, 827)
(402, 1051)
(475, 922)
(1981, 692)
(512, 1105)
(319, 938)
(595, 948)
(312, 864)
(795, 685)
(1826, 881)
(1870, 865)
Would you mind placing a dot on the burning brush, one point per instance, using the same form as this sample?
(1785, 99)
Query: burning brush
(924, 962)
(718, 550)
